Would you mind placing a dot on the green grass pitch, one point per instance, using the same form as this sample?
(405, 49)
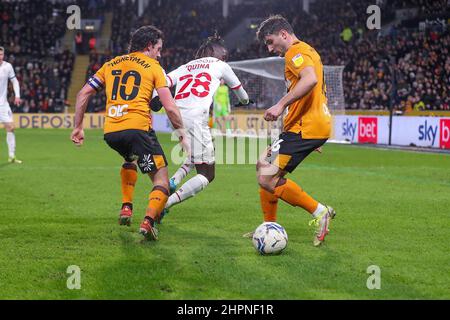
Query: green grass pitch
(60, 208)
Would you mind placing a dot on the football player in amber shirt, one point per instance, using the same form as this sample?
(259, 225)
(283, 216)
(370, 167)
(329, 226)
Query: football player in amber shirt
(306, 128)
(129, 81)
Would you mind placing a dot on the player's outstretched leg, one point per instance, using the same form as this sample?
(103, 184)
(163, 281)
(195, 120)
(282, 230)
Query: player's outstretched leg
(292, 193)
(157, 200)
(179, 175)
(271, 179)
(205, 175)
(128, 175)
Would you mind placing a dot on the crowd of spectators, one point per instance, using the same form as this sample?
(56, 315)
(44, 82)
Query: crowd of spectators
(31, 28)
(421, 76)
(123, 16)
(31, 33)
(426, 7)
(423, 71)
(407, 69)
(185, 25)
(43, 83)
(96, 60)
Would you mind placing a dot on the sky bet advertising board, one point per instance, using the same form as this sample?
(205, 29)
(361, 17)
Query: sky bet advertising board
(433, 132)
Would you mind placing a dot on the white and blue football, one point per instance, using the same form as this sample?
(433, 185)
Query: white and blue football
(270, 238)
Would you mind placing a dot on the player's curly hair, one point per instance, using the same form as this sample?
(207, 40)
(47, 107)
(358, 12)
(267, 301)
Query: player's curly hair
(214, 46)
(144, 36)
(273, 25)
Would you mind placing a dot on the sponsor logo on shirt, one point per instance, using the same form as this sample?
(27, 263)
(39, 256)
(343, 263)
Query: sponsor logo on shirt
(297, 60)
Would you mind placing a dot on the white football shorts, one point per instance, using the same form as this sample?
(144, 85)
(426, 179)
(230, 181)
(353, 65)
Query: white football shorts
(6, 115)
(200, 139)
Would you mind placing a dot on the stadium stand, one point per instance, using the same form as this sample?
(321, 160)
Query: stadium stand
(30, 34)
(402, 66)
(419, 59)
(96, 60)
(183, 23)
(43, 84)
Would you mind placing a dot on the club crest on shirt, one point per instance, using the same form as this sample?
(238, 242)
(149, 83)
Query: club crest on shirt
(147, 163)
(297, 60)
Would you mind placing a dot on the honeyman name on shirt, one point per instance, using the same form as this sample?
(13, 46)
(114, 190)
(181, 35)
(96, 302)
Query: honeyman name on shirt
(129, 58)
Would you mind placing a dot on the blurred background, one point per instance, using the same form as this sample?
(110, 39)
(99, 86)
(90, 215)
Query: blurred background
(402, 68)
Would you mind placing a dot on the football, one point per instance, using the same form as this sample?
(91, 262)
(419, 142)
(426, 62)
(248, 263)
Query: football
(270, 238)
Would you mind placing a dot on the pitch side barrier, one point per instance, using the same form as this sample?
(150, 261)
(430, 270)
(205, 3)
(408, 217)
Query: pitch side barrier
(67, 121)
(411, 131)
(56, 120)
(431, 132)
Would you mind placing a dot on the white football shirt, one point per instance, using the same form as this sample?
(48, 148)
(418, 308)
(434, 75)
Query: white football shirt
(6, 74)
(196, 83)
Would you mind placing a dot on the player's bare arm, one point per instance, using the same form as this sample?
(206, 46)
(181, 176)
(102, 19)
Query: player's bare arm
(308, 80)
(81, 103)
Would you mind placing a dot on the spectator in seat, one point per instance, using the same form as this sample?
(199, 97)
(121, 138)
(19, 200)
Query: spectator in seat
(79, 43)
(92, 43)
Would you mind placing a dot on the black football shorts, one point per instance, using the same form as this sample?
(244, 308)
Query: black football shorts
(138, 145)
(290, 149)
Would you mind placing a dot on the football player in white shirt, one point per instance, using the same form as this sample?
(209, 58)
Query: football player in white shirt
(196, 83)
(6, 117)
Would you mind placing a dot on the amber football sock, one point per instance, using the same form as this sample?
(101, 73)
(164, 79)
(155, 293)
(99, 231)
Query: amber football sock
(156, 201)
(269, 204)
(128, 175)
(293, 194)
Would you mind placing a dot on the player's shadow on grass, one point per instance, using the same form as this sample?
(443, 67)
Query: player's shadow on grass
(160, 270)
(197, 262)
(136, 274)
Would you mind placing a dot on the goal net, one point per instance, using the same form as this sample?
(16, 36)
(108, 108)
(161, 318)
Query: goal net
(264, 81)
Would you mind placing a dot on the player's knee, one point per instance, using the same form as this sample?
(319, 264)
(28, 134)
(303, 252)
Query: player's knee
(265, 169)
(129, 165)
(9, 127)
(266, 182)
(259, 164)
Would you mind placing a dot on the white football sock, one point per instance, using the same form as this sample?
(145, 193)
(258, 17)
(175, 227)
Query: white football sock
(189, 189)
(182, 172)
(320, 208)
(11, 141)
